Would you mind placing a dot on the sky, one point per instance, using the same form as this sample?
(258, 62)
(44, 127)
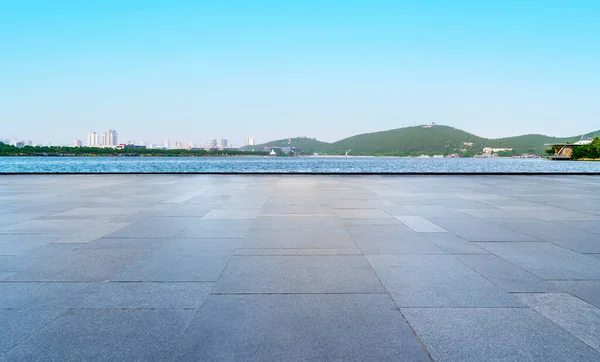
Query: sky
(197, 70)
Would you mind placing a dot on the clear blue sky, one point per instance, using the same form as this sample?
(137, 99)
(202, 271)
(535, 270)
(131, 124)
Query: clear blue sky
(197, 70)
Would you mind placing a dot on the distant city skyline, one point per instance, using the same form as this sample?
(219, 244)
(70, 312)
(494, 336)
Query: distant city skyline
(270, 70)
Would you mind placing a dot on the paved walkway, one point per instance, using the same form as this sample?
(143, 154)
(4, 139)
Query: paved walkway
(299, 268)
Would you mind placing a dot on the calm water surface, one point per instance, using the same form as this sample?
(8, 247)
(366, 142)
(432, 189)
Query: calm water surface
(291, 165)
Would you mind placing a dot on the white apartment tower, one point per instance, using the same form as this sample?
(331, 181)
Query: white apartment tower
(110, 138)
(92, 139)
(250, 141)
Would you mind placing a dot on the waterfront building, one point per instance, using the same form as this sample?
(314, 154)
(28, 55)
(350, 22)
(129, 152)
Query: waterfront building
(250, 141)
(77, 143)
(222, 143)
(92, 139)
(110, 138)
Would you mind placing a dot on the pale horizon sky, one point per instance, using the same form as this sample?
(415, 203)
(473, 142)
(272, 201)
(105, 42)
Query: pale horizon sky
(198, 70)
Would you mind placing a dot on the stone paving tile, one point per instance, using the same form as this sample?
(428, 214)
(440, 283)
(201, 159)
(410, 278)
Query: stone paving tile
(449, 283)
(81, 265)
(377, 232)
(591, 226)
(297, 252)
(595, 256)
(303, 238)
(141, 295)
(546, 260)
(279, 327)
(453, 244)
(155, 227)
(38, 294)
(402, 242)
(93, 233)
(211, 229)
(298, 274)
(571, 313)
(387, 221)
(106, 334)
(232, 214)
(93, 212)
(494, 334)
(290, 222)
(420, 224)
(51, 227)
(362, 214)
(482, 230)
(587, 290)
(506, 275)
(4, 275)
(437, 212)
(183, 260)
(571, 238)
(18, 325)
(275, 209)
(20, 244)
(16, 218)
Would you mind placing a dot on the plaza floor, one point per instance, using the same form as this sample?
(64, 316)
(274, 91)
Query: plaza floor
(299, 268)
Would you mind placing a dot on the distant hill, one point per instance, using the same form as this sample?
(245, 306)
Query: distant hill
(309, 145)
(418, 140)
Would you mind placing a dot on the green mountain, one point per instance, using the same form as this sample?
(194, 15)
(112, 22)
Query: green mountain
(309, 145)
(418, 140)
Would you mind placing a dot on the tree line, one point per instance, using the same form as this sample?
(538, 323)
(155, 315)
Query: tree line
(9, 150)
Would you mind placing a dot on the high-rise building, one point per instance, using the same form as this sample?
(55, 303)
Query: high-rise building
(167, 145)
(92, 139)
(250, 141)
(213, 144)
(222, 143)
(110, 138)
(77, 143)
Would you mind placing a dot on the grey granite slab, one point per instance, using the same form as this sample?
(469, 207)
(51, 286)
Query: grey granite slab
(298, 274)
(279, 327)
(280, 208)
(546, 260)
(298, 252)
(587, 290)
(362, 214)
(420, 224)
(211, 229)
(93, 233)
(506, 275)
(51, 227)
(571, 313)
(494, 334)
(591, 226)
(336, 238)
(481, 230)
(141, 295)
(183, 260)
(558, 233)
(232, 214)
(18, 325)
(23, 296)
(155, 227)
(453, 244)
(402, 242)
(290, 222)
(437, 281)
(106, 334)
(20, 244)
(81, 265)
